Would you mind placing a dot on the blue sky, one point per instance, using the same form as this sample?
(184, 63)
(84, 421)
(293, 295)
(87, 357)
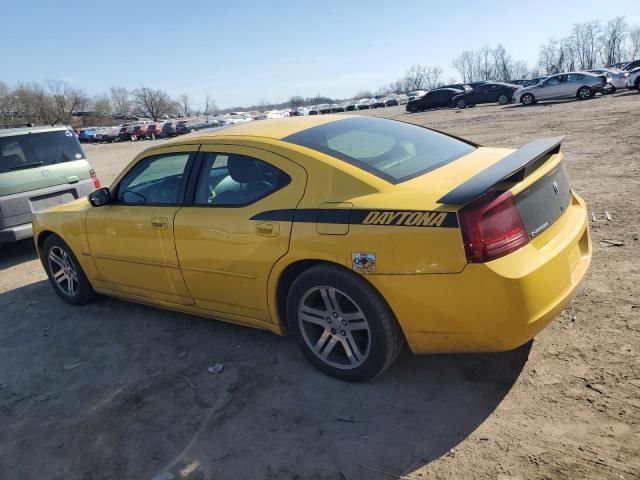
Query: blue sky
(243, 52)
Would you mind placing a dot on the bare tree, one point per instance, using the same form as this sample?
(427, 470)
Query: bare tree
(66, 99)
(361, 94)
(633, 50)
(484, 64)
(464, 64)
(416, 78)
(520, 70)
(120, 100)
(185, 104)
(209, 105)
(295, 101)
(433, 77)
(612, 41)
(585, 40)
(153, 103)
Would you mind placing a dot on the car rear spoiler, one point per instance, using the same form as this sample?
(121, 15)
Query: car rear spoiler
(514, 167)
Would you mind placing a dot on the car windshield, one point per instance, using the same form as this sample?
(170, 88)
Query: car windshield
(36, 149)
(394, 151)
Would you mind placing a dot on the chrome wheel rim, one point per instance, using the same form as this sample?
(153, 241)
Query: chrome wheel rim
(461, 103)
(502, 99)
(584, 93)
(63, 271)
(527, 99)
(334, 327)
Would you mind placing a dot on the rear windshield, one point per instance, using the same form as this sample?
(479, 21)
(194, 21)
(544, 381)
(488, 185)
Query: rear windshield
(394, 151)
(37, 149)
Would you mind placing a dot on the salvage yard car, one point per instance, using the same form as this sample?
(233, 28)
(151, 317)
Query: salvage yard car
(353, 234)
(580, 85)
(39, 167)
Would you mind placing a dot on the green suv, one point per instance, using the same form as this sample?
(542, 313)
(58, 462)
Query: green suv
(40, 167)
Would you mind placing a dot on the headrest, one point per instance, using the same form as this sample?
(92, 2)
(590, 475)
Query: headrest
(243, 169)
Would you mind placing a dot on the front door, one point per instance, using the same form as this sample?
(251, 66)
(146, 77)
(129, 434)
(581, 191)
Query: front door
(226, 254)
(131, 239)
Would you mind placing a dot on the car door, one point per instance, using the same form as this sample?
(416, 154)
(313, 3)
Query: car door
(131, 238)
(480, 94)
(225, 253)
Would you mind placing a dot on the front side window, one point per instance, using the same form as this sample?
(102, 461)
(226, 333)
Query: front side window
(394, 151)
(155, 180)
(229, 179)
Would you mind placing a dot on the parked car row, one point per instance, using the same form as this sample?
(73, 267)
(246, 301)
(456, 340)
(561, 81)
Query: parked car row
(579, 85)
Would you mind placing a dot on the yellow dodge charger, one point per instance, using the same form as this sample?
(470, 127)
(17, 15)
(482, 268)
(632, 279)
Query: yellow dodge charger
(353, 234)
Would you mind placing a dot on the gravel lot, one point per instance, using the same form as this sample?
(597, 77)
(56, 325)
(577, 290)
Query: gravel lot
(120, 391)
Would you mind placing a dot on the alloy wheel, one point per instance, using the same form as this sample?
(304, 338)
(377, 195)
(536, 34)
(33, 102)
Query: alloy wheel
(63, 271)
(503, 100)
(334, 327)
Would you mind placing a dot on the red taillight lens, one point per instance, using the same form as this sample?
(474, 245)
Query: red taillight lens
(492, 227)
(94, 177)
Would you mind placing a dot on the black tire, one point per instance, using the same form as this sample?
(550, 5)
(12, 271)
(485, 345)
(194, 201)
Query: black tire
(412, 109)
(461, 103)
(636, 85)
(83, 293)
(527, 99)
(503, 99)
(584, 93)
(384, 339)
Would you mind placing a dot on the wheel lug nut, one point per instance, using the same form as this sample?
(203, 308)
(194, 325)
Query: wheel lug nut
(343, 333)
(328, 320)
(344, 322)
(333, 331)
(335, 315)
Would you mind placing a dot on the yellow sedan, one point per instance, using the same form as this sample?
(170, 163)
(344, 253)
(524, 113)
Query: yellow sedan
(353, 234)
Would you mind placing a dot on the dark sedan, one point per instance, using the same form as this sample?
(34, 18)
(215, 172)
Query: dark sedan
(489, 92)
(438, 98)
(168, 130)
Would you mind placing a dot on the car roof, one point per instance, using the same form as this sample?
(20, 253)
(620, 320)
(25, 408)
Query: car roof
(276, 129)
(11, 132)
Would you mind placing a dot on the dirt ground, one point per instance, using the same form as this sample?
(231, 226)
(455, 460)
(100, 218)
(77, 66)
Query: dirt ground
(120, 391)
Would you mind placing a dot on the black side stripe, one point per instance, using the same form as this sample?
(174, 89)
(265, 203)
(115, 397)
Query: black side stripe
(393, 218)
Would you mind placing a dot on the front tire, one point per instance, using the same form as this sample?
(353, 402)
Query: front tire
(527, 99)
(65, 273)
(461, 103)
(584, 93)
(412, 109)
(342, 324)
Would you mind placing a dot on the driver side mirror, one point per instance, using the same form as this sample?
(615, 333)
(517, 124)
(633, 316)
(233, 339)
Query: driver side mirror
(100, 197)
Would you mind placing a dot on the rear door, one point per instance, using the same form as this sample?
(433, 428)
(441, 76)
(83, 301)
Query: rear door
(225, 250)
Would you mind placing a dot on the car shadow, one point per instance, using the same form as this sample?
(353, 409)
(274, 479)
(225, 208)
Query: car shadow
(126, 391)
(548, 103)
(12, 254)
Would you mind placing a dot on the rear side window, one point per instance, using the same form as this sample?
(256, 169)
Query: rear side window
(37, 149)
(394, 151)
(237, 180)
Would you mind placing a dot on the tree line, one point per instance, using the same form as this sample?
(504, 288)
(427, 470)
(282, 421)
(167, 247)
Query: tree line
(57, 101)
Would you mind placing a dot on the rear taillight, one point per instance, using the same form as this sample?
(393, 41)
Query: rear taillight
(95, 179)
(492, 227)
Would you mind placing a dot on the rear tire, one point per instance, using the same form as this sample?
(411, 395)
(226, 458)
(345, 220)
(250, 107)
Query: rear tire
(342, 324)
(65, 273)
(461, 103)
(503, 99)
(584, 93)
(412, 109)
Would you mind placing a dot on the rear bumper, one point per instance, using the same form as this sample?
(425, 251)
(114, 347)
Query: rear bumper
(16, 233)
(499, 305)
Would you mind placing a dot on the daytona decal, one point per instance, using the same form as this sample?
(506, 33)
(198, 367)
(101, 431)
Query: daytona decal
(392, 218)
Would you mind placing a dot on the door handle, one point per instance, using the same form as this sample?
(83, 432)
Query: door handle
(268, 229)
(159, 223)
(73, 179)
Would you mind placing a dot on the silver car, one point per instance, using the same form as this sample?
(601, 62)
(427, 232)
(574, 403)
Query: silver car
(580, 85)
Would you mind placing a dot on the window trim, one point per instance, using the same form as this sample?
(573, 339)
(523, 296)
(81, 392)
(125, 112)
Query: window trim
(186, 176)
(197, 171)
